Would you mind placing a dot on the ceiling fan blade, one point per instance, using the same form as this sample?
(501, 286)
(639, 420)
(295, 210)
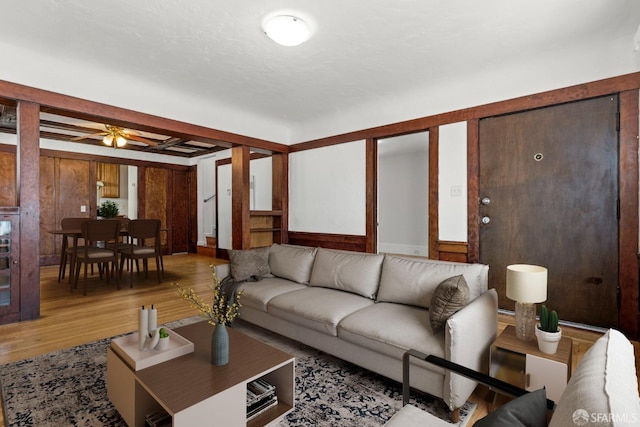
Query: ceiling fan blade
(78, 138)
(141, 139)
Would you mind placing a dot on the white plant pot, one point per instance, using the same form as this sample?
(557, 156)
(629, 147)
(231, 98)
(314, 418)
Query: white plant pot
(163, 343)
(548, 341)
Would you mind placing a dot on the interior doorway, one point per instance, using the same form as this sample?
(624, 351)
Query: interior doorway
(403, 195)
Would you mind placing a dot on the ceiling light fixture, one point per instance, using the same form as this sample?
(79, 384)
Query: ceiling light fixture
(114, 134)
(286, 30)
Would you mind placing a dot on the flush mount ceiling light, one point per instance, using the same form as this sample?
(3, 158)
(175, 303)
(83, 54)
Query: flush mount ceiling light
(286, 30)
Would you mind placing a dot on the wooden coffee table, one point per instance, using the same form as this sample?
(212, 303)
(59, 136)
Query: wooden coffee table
(195, 392)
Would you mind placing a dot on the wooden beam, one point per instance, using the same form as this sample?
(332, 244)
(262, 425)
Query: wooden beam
(29, 201)
(70, 106)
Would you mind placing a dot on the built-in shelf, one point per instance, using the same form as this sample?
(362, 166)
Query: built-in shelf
(265, 228)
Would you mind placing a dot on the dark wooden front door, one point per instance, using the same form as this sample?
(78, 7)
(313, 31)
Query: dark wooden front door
(551, 179)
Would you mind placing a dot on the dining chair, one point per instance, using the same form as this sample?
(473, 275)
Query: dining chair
(67, 252)
(144, 243)
(101, 238)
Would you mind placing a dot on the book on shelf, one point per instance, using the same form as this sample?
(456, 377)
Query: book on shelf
(259, 390)
(158, 419)
(261, 406)
(261, 396)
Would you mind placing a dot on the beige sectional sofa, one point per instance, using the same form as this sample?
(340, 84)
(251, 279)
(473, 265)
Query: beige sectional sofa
(369, 309)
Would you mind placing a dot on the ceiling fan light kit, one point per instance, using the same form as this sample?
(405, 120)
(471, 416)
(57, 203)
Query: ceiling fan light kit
(286, 30)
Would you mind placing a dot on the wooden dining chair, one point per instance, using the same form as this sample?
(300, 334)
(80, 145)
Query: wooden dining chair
(70, 244)
(101, 238)
(144, 243)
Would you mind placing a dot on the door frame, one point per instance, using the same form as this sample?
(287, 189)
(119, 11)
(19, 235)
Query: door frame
(629, 320)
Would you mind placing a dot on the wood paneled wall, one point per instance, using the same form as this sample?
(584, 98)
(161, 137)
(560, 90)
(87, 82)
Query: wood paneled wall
(8, 192)
(156, 185)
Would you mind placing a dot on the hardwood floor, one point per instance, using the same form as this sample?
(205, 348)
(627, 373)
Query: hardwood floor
(69, 319)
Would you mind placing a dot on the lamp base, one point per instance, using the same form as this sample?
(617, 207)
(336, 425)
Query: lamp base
(525, 321)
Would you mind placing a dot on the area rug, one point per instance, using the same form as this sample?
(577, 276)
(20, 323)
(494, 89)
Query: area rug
(68, 388)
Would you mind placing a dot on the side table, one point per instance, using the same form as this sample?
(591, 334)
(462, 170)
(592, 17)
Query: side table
(522, 364)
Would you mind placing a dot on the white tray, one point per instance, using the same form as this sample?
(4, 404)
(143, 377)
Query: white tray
(128, 349)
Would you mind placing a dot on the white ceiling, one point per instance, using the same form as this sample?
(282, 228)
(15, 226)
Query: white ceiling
(362, 51)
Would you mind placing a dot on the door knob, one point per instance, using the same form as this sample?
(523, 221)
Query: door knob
(485, 201)
(486, 220)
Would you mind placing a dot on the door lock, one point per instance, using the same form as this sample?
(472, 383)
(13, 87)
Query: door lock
(485, 201)
(486, 220)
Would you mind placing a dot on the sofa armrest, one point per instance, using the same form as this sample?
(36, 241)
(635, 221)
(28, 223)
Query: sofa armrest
(222, 270)
(468, 335)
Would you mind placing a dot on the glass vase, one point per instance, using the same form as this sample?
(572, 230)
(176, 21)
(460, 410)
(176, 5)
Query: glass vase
(220, 345)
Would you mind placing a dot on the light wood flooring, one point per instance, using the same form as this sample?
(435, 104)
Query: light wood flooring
(69, 319)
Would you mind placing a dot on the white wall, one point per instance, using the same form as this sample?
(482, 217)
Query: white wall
(452, 182)
(403, 195)
(259, 198)
(90, 81)
(206, 172)
(261, 180)
(327, 189)
(223, 195)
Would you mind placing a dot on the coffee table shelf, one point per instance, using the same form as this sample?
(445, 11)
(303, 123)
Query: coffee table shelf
(195, 392)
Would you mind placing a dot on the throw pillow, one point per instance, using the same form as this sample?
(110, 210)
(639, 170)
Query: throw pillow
(528, 410)
(450, 295)
(249, 263)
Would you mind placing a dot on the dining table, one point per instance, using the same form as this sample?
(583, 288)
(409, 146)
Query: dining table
(76, 233)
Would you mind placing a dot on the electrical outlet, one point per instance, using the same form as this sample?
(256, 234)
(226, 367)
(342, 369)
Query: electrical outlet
(456, 191)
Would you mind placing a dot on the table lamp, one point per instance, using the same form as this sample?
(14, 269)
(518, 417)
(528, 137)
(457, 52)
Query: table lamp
(526, 285)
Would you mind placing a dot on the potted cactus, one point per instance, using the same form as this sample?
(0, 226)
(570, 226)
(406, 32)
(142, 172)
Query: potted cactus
(548, 333)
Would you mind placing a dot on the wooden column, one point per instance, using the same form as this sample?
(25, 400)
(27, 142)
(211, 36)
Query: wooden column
(29, 201)
(628, 223)
(473, 190)
(371, 209)
(280, 192)
(434, 138)
(240, 220)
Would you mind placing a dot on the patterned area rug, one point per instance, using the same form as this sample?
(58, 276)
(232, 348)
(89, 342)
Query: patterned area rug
(67, 388)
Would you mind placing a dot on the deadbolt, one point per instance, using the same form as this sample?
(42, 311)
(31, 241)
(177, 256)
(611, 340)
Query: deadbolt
(486, 220)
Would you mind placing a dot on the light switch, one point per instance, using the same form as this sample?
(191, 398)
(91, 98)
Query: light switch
(83, 208)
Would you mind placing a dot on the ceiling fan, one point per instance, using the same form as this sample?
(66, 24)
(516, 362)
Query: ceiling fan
(116, 137)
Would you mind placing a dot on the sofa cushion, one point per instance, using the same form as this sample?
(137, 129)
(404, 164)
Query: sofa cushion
(412, 281)
(258, 294)
(528, 410)
(604, 386)
(354, 272)
(249, 263)
(392, 329)
(319, 309)
(292, 262)
(450, 296)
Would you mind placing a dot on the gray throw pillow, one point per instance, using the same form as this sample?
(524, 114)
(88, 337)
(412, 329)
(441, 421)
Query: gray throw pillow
(528, 410)
(451, 295)
(249, 263)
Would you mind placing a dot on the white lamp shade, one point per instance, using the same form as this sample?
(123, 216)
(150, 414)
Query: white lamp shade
(526, 283)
